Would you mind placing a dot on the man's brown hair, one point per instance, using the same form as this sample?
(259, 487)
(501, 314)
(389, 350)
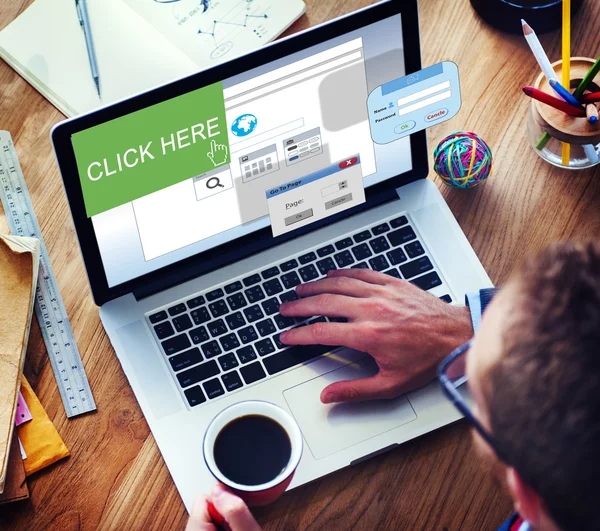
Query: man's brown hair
(544, 397)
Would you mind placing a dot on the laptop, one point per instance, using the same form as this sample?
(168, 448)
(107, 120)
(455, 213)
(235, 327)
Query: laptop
(189, 261)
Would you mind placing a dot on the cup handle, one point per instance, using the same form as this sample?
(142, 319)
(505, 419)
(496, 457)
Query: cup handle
(217, 517)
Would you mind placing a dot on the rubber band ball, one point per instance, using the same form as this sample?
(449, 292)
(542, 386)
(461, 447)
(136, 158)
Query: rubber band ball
(463, 160)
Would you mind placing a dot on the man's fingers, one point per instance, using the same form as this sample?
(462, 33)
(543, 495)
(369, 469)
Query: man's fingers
(340, 285)
(330, 334)
(324, 304)
(233, 509)
(366, 275)
(374, 387)
(199, 518)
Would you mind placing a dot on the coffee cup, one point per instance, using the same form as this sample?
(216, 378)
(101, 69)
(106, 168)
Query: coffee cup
(253, 448)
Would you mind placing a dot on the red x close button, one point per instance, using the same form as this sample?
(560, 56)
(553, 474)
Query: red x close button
(349, 162)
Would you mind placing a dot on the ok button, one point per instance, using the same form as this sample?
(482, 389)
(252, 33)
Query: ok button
(406, 126)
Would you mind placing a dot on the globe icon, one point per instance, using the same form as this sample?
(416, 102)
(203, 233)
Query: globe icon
(244, 125)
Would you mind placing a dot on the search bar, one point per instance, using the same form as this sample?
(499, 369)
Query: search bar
(292, 80)
(424, 103)
(213, 183)
(424, 93)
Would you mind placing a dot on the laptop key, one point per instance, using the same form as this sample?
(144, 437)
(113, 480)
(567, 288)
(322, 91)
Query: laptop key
(379, 245)
(290, 280)
(195, 396)
(284, 322)
(380, 229)
(270, 273)
(232, 381)
(344, 244)
(228, 362)
(414, 249)
(306, 258)
(176, 344)
(337, 320)
(253, 372)
(278, 343)
(164, 330)
(254, 313)
(360, 265)
(361, 251)
(416, 267)
(308, 273)
(271, 306)
(248, 334)
(246, 354)
(400, 236)
(272, 287)
(255, 294)
(233, 287)
(186, 359)
(446, 298)
(362, 236)
(195, 302)
(399, 222)
(325, 251)
(211, 349)
(251, 280)
(289, 296)
(217, 328)
(294, 356)
(428, 281)
(326, 265)
(218, 308)
(289, 265)
(176, 310)
(265, 347)
(266, 327)
(182, 323)
(397, 256)
(317, 320)
(393, 273)
(229, 342)
(379, 263)
(236, 301)
(214, 295)
(344, 259)
(199, 335)
(200, 316)
(213, 388)
(198, 374)
(235, 320)
(158, 317)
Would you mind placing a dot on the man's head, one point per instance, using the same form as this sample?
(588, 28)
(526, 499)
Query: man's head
(534, 372)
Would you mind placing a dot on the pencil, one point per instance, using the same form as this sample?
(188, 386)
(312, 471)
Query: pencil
(593, 72)
(538, 51)
(566, 65)
(592, 97)
(564, 93)
(546, 98)
(591, 113)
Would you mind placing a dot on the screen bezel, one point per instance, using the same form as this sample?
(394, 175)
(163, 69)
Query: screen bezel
(262, 239)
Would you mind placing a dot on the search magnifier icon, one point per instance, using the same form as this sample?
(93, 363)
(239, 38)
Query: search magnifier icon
(214, 182)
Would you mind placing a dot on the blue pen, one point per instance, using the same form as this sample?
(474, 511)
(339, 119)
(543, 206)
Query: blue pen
(84, 20)
(564, 93)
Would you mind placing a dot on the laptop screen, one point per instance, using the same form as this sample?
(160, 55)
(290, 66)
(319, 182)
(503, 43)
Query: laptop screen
(282, 145)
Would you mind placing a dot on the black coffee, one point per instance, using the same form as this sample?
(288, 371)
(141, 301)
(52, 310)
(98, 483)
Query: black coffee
(252, 450)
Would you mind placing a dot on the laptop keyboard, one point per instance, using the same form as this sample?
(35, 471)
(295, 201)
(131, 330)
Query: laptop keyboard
(224, 339)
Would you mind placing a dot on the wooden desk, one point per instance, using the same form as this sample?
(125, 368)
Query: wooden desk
(116, 478)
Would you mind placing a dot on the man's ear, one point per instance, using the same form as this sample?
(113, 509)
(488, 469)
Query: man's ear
(527, 502)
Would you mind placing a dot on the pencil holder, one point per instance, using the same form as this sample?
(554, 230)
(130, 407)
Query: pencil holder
(548, 128)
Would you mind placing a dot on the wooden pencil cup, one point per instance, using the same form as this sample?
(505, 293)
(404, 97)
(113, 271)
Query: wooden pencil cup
(548, 128)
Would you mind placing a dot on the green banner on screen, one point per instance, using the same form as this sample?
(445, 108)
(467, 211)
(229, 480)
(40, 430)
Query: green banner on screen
(148, 150)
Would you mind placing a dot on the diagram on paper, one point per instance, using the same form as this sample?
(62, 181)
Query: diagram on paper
(211, 31)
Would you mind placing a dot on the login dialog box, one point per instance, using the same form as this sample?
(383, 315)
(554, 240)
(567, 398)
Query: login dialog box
(316, 196)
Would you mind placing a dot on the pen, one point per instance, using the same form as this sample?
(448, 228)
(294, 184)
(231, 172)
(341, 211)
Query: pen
(564, 93)
(84, 20)
(554, 102)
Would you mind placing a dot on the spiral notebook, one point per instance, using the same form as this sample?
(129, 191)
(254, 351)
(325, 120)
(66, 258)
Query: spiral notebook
(139, 44)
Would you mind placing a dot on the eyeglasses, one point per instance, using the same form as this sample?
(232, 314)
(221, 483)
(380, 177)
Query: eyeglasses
(453, 379)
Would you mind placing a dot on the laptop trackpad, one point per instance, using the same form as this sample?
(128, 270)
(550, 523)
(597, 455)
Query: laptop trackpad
(329, 428)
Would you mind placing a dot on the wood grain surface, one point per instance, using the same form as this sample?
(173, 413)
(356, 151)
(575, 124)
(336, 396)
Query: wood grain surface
(116, 478)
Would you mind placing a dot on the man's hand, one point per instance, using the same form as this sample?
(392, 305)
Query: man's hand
(234, 511)
(218, 153)
(408, 331)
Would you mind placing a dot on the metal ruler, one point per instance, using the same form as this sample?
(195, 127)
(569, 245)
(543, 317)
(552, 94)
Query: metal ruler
(49, 307)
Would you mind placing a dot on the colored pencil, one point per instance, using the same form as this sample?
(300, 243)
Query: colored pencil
(564, 93)
(566, 66)
(538, 51)
(591, 153)
(589, 77)
(546, 98)
(592, 97)
(591, 113)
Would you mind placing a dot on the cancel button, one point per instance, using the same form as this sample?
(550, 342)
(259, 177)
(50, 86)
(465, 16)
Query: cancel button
(437, 115)
(337, 202)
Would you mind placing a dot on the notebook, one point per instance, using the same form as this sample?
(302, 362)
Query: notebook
(139, 43)
(19, 261)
